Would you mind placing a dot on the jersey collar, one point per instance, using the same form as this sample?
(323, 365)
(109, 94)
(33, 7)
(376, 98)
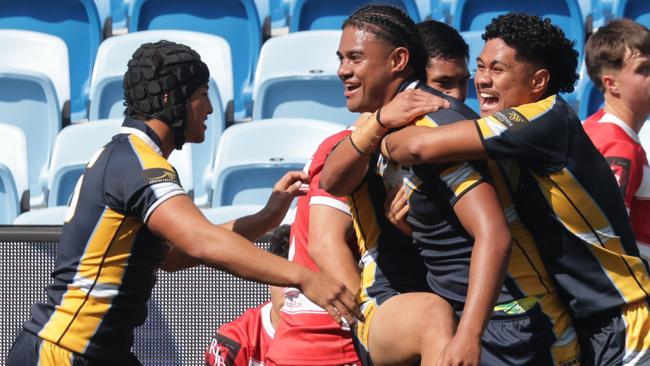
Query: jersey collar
(143, 132)
(610, 118)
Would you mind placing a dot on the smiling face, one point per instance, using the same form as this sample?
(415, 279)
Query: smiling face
(198, 109)
(501, 81)
(365, 69)
(449, 76)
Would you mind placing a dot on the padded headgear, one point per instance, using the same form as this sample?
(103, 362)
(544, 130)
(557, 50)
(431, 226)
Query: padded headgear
(159, 81)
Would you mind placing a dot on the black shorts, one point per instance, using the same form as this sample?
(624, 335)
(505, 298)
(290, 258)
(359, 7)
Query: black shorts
(522, 339)
(30, 350)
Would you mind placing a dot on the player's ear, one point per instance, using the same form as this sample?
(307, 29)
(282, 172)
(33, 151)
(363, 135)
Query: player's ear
(399, 59)
(610, 85)
(540, 81)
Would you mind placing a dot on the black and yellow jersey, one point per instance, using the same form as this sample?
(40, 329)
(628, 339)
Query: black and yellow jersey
(107, 258)
(444, 244)
(566, 195)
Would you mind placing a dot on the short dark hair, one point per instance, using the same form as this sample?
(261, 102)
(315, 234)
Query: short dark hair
(607, 47)
(441, 40)
(394, 26)
(539, 42)
(280, 241)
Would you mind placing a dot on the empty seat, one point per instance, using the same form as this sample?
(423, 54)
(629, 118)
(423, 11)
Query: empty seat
(318, 14)
(223, 214)
(637, 10)
(296, 77)
(74, 21)
(75, 146)
(107, 93)
(474, 15)
(234, 20)
(43, 216)
(253, 156)
(14, 177)
(34, 83)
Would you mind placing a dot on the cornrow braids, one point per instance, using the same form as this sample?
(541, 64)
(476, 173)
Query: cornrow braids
(394, 26)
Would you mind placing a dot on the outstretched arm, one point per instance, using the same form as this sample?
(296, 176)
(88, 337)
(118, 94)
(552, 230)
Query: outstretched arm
(420, 145)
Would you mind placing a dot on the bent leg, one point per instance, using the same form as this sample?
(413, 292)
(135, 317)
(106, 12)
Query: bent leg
(410, 327)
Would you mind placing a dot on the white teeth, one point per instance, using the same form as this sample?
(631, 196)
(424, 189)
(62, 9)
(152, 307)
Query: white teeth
(486, 95)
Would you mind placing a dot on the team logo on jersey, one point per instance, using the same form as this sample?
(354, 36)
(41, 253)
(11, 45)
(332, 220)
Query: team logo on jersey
(510, 118)
(222, 351)
(621, 169)
(159, 175)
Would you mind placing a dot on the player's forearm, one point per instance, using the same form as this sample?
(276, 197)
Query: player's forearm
(344, 169)
(423, 145)
(252, 227)
(337, 261)
(488, 266)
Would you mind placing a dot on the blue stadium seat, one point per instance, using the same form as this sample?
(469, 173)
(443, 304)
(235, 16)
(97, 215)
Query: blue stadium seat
(107, 94)
(119, 12)
(43, 216)
(474, 15)
(318, 14)
(32, 93)
(475, 43)
(296, 77)
(74, 21)
(253, 156)
(14, 176)
(637, 10)
(590, 97)
(74, 147)
(234, 20)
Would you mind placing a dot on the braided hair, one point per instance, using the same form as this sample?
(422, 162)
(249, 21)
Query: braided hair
(394, 26)
(159, 81)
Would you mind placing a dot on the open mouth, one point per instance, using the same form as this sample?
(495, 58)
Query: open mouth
(350, 89)
(488, 101)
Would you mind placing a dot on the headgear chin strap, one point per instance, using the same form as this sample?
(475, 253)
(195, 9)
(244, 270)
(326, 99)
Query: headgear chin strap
(159, 81)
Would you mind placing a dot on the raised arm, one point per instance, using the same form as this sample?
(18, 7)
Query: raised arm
(482, 216)
(180, 222)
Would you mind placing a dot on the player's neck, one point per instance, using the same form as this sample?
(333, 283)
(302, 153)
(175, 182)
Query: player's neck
(629, 116)
(165, 134)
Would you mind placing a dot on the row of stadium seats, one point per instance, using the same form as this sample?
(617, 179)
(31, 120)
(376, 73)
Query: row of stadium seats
(79, 24)
(249, 159)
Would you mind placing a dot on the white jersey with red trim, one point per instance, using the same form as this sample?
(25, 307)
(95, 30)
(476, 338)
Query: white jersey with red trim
(621, 146)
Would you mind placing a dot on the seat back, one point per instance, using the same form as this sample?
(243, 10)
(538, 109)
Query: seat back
(253, 156)
(223, 214)
(474, 15)
(318, 14)
(28, 101)
(107, 93)
(14, 176)
(591, 99)
(74, 147)
(637, 10)
(74, 21)
(43, 216)
(234, 20)
(296, 77)
(475, 43)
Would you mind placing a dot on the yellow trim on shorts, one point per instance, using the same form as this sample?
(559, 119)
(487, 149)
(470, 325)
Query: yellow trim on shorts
(637, 328)
(50, 354)
(363, 328)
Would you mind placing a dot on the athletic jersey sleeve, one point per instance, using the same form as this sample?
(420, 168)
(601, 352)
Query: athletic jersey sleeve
(626, 161)
(317, 195)
(536, 134)
(228, 348)
(460, 178)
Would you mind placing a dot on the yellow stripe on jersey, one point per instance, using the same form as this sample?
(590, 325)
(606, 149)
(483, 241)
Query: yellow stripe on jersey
(363, 218)
(566, 349)
(637, 342)
(99, 274)
(368, 276)
(460, 178)
(497, 123)
(425, 121)
(148, 157)
(580, 214)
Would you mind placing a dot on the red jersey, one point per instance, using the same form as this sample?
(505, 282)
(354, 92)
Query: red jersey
(620, 145)
(307, 334)
(244, 341)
